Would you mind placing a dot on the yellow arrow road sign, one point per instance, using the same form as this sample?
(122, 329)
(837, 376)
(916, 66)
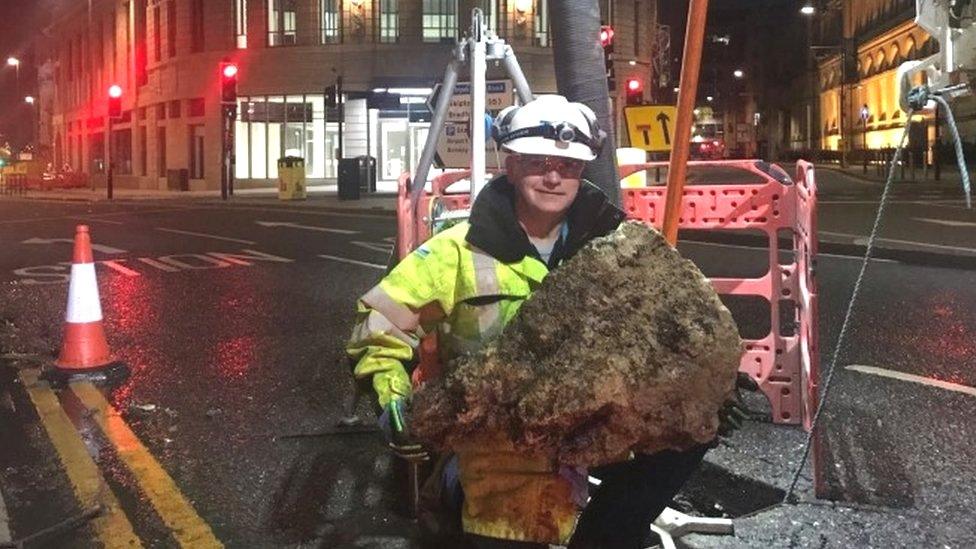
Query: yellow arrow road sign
(651, 127)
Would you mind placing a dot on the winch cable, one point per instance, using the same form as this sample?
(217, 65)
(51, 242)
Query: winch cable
(788, 498)
(957, 144)
(921, 95)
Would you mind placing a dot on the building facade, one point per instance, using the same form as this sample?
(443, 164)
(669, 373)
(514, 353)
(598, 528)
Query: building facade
(865, 43)
(166, 54)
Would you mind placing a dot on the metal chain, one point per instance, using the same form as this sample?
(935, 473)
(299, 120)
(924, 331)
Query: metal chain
(788, 498)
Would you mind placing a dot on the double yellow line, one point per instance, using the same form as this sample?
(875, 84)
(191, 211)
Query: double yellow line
(112, 526)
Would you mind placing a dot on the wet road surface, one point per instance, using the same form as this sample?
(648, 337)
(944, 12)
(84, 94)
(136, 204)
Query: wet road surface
(232, 321)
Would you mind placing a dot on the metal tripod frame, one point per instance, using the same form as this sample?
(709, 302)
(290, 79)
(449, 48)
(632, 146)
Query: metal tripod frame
(479, 47)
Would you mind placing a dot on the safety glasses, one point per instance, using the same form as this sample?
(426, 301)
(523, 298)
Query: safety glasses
(569, 168)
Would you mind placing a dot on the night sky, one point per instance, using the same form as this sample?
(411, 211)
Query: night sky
(20, 22)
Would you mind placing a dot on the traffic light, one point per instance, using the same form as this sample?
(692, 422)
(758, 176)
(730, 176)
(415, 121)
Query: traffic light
(115, 101)
(635, 91)
(606, 40)
(228, 82)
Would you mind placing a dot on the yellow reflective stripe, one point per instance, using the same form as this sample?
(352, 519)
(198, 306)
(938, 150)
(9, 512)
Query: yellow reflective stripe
(486, 281)
(397, 313)
(376, 323)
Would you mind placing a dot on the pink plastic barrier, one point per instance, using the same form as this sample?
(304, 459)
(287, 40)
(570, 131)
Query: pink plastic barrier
(784, 366)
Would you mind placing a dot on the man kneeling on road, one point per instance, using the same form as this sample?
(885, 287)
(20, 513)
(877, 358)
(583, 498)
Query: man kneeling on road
(467, 283)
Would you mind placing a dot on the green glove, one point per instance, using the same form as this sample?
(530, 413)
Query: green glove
(394, 423)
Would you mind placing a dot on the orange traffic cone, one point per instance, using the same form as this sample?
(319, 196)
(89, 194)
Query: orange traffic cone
(84, 346)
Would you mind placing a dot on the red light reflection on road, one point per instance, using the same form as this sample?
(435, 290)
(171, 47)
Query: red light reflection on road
(235, 356)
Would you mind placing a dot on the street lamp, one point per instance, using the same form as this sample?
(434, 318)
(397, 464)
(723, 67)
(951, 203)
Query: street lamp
(29, 99)
(738, 73)
(808, 9)
(15, 63)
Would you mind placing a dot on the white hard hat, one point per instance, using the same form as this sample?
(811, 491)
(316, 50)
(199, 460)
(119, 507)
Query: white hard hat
(549, 125)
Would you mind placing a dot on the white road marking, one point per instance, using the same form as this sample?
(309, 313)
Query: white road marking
(374, 246)
(93, 220)
(57, 274)
(940, 203)
(945, 222)
(115, 265)
(75, 217)
(901, 376)
(763, 250)
(862, 240)
(205, 235)
(304, 227)
(353, 261)
(96, 247)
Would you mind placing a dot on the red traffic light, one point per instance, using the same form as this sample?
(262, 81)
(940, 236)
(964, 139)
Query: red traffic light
(606, 35)
(228, 82)
(634, 85)
(115, 91)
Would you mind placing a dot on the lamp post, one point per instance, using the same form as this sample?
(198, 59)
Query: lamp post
(865, 114)
(30, 101)
(842, 144)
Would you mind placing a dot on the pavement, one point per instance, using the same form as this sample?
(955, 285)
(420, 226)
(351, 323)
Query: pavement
(231, 317)
(324, 197)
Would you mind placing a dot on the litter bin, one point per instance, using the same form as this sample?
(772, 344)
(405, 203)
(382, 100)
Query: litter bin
(291, 178)
(356, 175)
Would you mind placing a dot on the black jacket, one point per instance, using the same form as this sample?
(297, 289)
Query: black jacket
(495, 228)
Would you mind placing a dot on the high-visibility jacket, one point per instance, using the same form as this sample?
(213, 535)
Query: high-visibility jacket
(467, 283)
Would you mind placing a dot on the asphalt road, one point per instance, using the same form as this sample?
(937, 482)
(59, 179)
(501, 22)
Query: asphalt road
(233, 328)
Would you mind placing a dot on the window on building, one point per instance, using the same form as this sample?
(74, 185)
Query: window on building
(126, 18)
(141, 51)
(331, 21)
(197, 138)
(389, 21)
(541, 23)
(491, 11)
(175, 110)
(157, 34)
(197, 107)
(268, 128)
(70, 54)
(161, 151)
(282, 19)
(197, 36)
(240, 23)
(96, 152)
(98, 46)
(171, 29)
(143, 149)
(440, 20)
(122, 151)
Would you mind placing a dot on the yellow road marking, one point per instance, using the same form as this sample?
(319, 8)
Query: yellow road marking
(111, 526)
(186, 525)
